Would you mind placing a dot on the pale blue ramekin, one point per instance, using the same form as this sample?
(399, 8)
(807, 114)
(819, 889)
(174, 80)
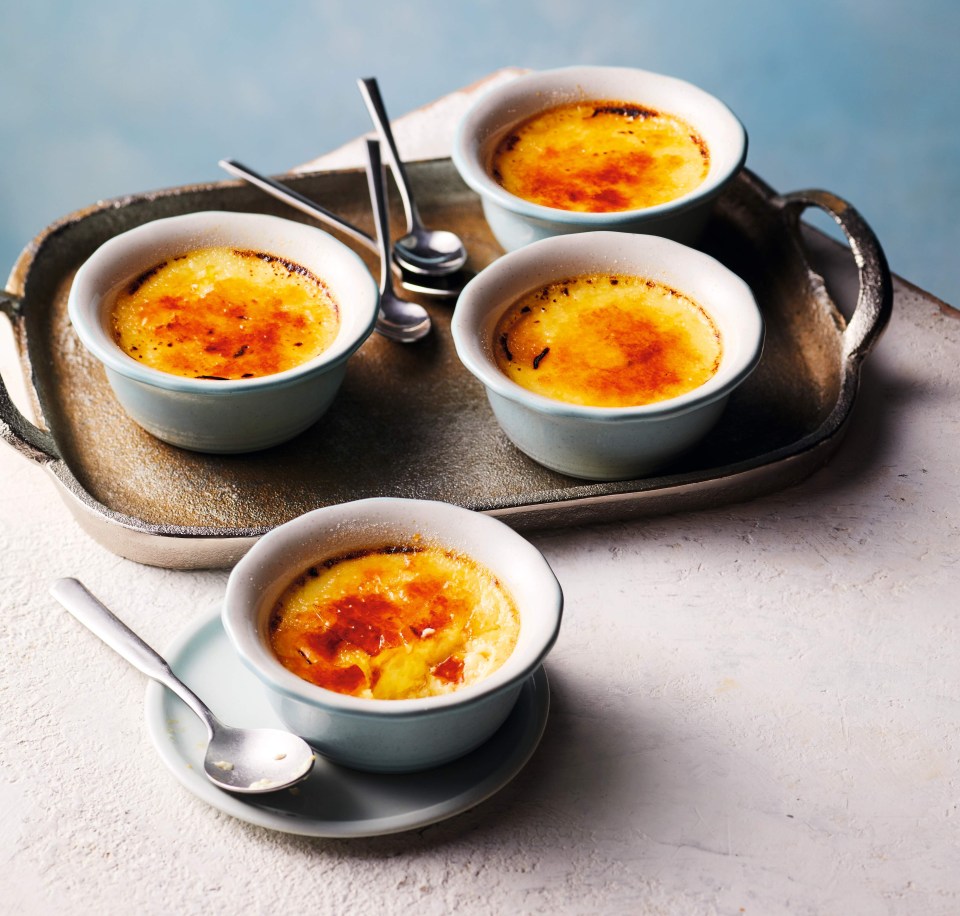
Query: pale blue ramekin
(516, 222)
(607, 443)
(391, 735)
(224, 416)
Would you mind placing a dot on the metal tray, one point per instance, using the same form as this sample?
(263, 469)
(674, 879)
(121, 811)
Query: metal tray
(409, 421)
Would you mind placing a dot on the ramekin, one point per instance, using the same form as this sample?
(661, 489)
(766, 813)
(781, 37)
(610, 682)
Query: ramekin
(238, 415)
(607, 443)
(391, 735)
(516, 222)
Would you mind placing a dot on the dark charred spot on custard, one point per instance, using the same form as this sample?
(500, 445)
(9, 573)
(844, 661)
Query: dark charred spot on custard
(240, 352)
(388, 549)
(269, 258)
(510, 142)
(539, 357)
(449, 670)
(633, 112)
(137, 282)
(505, 346)
(291, 266)
(397, 548)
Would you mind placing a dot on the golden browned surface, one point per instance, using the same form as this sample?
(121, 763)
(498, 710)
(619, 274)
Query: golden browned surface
(395, 623)
(224, 313)
(600, 156)
(607, 341)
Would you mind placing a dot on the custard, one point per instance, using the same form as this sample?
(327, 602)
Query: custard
(224, 313)
(396, 622)
(607, 341)
(600, 157)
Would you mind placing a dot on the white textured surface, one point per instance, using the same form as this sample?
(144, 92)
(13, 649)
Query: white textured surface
(756, 709)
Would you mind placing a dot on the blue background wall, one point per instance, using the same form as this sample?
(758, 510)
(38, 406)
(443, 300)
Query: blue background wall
(100, 99)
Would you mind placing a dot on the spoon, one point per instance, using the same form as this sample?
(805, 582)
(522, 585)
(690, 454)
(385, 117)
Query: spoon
(243, 760)
(398, 319)
(445, 287)
(434, 252)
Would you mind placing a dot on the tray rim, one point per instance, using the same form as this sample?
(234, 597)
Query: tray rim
(184, 546)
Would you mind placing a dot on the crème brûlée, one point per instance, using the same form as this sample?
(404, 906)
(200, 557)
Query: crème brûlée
(600, 157)
(224, 313)
(607, 341)
(397, 622)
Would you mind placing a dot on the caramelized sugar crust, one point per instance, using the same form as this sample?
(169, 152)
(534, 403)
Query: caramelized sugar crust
(224, 313)
(600, 157)
(397, 622)
(607, 341)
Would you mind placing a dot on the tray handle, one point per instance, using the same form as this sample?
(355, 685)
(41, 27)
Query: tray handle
(875, 298)
(15, 429)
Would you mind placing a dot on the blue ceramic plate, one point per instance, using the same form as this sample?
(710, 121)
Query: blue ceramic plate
(334, 801)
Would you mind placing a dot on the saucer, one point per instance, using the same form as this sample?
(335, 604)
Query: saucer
(333, 801)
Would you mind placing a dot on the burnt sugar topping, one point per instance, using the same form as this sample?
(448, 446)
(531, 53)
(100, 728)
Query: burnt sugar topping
(224, 313)
(600, 156)
(395, 622)
(606, 340)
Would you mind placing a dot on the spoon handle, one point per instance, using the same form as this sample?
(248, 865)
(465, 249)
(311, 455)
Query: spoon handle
(381, 219)
(378, 113)
(97, 618)
(297, 200)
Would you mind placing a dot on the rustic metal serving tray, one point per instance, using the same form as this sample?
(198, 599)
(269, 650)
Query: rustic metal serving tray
(409, 420)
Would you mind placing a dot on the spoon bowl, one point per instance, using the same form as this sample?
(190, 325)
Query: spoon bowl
(240, 760)
(401, 320)
(433, 252)
(253, 760)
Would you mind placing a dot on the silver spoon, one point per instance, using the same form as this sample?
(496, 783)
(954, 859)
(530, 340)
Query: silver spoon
(243, 760)
(433, 252)
(445, 287)
(398, 319)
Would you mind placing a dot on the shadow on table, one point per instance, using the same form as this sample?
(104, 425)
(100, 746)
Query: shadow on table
(620, 770)
(566, 779)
